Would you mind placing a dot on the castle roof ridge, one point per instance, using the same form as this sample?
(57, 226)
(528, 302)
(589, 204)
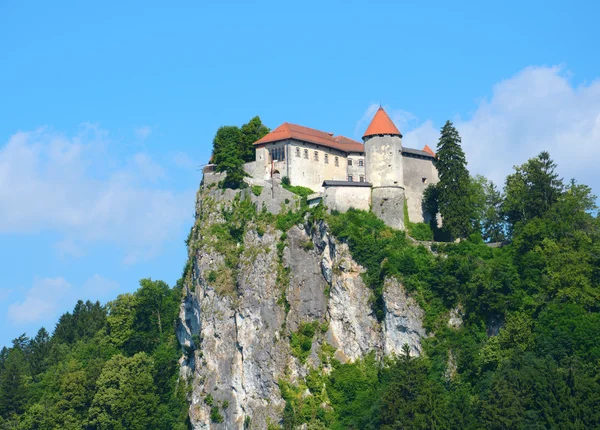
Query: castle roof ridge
(294, 131)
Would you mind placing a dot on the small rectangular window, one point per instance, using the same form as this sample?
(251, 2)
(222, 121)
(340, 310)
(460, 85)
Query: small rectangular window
(297, 152)
(360, 163)
(337, 162)
(326, 158)
(349, 178)
(349, 162)
(362, 179)
(306, 154)
(316, 156)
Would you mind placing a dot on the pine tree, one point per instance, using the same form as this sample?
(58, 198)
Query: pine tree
(531, 190)
(493, 223)
(453, 188)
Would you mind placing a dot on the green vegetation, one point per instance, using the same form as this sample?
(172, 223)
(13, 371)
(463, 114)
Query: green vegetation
(297, 189)
(233, 146)
(301, 340)
(104, 367)
(215, 415)
(527, 354)
(417, 230)
(257, 190)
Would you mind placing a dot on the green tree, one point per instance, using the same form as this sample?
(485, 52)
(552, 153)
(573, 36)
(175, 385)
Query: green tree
(252, 131)
(126, 396)
(531, 190)
(454, 187)
(228, 155)
(492, 220)
(13, 383)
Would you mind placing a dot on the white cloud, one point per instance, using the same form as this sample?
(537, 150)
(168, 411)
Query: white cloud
(41, 301)
(537, 109)
(48, 297)
(49, 182)
(143, 132)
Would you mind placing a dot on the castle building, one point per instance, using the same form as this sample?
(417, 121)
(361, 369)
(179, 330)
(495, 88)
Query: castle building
(378, 174)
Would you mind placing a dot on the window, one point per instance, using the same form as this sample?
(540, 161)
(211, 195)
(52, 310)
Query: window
(326, 158)
(337, 161)
(361, 163)
(316, 156)
(278, 154)
(306, 154)
(349, 162)
(349, 178)
(362, 179)
(297, 152)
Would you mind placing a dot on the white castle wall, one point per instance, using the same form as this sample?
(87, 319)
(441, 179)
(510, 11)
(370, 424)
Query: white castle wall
(342, 198)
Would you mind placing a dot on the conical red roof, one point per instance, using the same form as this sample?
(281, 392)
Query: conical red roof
(381, 124)
(429, 150)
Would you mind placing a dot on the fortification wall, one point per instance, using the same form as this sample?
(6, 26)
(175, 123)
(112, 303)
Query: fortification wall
(419, 173)
(346, 197)
(387, 203)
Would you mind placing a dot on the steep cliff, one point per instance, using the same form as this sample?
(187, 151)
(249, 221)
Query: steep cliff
(268, 298)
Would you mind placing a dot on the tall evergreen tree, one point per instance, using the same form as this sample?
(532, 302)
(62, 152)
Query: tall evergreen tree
(454, 201)
(531, 190)
(493, 223)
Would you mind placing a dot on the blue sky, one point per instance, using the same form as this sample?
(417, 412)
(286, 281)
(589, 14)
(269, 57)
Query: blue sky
(107, 110)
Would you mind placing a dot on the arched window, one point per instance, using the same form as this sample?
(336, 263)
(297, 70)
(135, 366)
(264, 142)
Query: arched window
(326, 158)
(316, 155)
(306, 154)
(297, 152)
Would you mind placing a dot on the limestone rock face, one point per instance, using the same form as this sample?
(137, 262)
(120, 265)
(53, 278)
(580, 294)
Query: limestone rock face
(403, 320)
(235, 322)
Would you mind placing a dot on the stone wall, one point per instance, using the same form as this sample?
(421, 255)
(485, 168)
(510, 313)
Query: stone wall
(419, 173)
(387, 203)
(342, 198)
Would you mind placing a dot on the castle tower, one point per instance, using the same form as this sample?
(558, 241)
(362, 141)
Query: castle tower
(384, 169)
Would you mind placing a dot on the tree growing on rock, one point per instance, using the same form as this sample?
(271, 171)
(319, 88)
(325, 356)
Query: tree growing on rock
(233, 146)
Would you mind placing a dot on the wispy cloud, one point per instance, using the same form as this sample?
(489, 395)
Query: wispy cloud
(40, 302)
(73, 186)
(143, 132)
(48, 297)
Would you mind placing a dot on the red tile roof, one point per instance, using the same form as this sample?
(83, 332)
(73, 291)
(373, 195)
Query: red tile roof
(429, 150)
(381, 124)
(305, 134)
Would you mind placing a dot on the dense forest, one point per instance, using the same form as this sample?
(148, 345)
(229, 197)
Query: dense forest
(103, 367)
(523, 350)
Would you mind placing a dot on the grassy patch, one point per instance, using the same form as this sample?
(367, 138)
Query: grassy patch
(257, 190)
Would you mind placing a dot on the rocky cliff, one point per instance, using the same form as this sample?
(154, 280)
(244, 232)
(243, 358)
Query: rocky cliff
(266, 301)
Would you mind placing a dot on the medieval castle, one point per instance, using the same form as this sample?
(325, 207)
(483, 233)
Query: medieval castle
(378, 174)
